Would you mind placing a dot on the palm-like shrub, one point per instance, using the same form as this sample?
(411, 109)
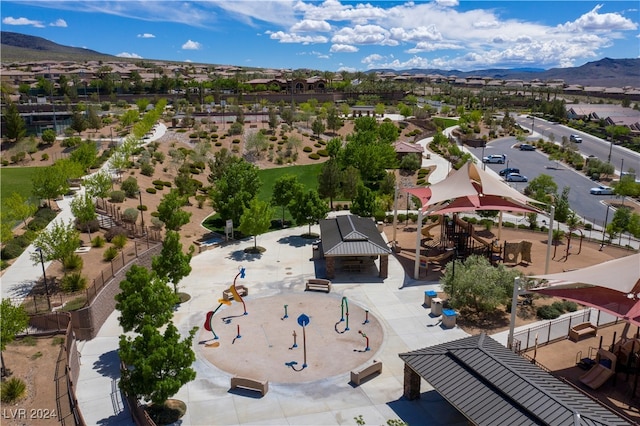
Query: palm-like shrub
(12, 390)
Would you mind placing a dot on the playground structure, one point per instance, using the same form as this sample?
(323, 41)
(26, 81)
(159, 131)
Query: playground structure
(603, 369)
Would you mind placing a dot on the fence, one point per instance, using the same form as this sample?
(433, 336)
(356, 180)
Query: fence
(558, 329)
(114, 218)
(38, 303)
(67, 365)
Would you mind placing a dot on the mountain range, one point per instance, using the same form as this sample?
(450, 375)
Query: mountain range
(607, 72)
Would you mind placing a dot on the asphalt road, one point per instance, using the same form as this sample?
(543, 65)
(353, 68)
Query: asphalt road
(535, 163)
(622, 158)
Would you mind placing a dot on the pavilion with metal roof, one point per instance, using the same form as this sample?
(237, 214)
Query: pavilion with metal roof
(352, 241)
(491, 385)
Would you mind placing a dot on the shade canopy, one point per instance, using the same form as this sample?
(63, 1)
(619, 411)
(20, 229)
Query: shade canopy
(471, 188)
(612, 286)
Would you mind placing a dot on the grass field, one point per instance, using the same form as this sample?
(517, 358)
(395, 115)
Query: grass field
(15, 179)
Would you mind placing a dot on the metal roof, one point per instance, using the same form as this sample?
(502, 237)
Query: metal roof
(351, 235)
(491, 385)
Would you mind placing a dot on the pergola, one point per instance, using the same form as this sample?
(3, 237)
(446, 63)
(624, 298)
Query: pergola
(468, 189)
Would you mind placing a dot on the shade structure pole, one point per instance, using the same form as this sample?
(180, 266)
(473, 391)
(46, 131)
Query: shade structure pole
(549, 240)
(514, 307)
(416, 266)
(499, 224)
(395, 215)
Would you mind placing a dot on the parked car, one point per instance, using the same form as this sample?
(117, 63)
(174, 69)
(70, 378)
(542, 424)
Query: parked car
(516, 177)
(495, 158)
(601, 190)
(508, 170)
(575, 138)
(527, 147)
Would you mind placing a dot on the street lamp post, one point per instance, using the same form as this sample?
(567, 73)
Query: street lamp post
(44, 277)
(604, 227)
(484, 166)
(141, 212)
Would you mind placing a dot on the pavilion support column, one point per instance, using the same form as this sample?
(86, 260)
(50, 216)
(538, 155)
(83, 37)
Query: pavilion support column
(330, 263)
(411, 383)
(416, 266)
(384, 266)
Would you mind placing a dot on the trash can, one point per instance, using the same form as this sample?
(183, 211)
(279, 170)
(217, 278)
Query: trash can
(449, 318)
(436, 307)
(428, 296)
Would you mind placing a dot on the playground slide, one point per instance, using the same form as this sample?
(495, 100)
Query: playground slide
(597, 376)
(473, 232)
(425, 229)
(424, 260)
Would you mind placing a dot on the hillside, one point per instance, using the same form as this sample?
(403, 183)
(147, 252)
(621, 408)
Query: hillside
(17, 47)
(606, 72)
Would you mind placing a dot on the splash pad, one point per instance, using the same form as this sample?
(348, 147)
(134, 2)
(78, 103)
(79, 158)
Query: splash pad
(266, 349)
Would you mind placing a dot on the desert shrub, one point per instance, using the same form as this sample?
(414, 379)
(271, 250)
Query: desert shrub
(91, 226)
(11, 250)
(307, 149)
(44, 157)
(235, 141)
(166, 183)
(157, 182)
(113, 232)
(117, 196)
(569, 306)
(402, 217)
(323, 153)
(98, 242)
(142, 208)
(157, 223)
(130, 215)
(119, 241)
(159, 156)
(151, 190)
(46, 213)
(218, 144)
(73, 262)
(314, 156)
(37, 224)
(73, 282)
(130, 187)
(547, 312)
(12, 390)
(110, 253)
(159, 187)
(147, 169)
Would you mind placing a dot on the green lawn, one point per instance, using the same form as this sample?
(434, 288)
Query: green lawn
(307, 176)
(16, 179)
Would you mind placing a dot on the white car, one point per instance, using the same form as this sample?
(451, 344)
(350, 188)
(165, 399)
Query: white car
(495, 158)
(601, 190)
(575, 138)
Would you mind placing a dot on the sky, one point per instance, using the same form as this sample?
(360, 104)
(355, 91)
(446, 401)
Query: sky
(337, 35)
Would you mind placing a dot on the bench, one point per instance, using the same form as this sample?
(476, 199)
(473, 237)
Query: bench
(318, 284)
(242, 291)
(358, 377)
(261, 386)
(582, 329)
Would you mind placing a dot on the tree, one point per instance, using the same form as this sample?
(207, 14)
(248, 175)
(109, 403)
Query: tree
(159, 364)
(350, 182)
(17, 208)
(329, 180)
(318, 127)
(185, 184)
(256, 143)
(170, 211)
(84, 211)
(308, 208)
(85, 154)
(145, 300)
(93, 120)
(410, 163)
(285, 189)
(233, 191)
(334, 147)
(542, 188)
(256, 219)
(99, 185)
(13, 320)
(627, 187)
(172, 262)
(14, 125)
(615, 132)
(219, 164)
(57, 242)
(562, 205)
(364, 204)
(334, 122)
(78, 122)
(477, 284)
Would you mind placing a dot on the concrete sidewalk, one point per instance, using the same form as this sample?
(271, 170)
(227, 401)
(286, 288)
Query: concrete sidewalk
(397, 302)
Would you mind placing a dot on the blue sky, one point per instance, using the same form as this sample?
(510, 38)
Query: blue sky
(337, 35)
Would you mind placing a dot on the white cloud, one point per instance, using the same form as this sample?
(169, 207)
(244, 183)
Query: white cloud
(447, 3)
(191, 45)
(424, 46)
(594, 21)
(146, 35)
(283, 37)
(310, 25)
(59, 23)
(372, 58)
(129, 55)
(343, 48)
(416, 34)
(9, 20)
(364, 34)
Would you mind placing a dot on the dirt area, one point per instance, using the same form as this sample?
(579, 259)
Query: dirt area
(34, 361)
(580, 256)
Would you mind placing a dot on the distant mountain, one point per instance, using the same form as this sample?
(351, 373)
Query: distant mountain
(606, 72)
(21, 47)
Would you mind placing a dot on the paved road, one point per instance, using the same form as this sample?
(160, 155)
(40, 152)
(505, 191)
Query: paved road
(535, 163)
(622, 158)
